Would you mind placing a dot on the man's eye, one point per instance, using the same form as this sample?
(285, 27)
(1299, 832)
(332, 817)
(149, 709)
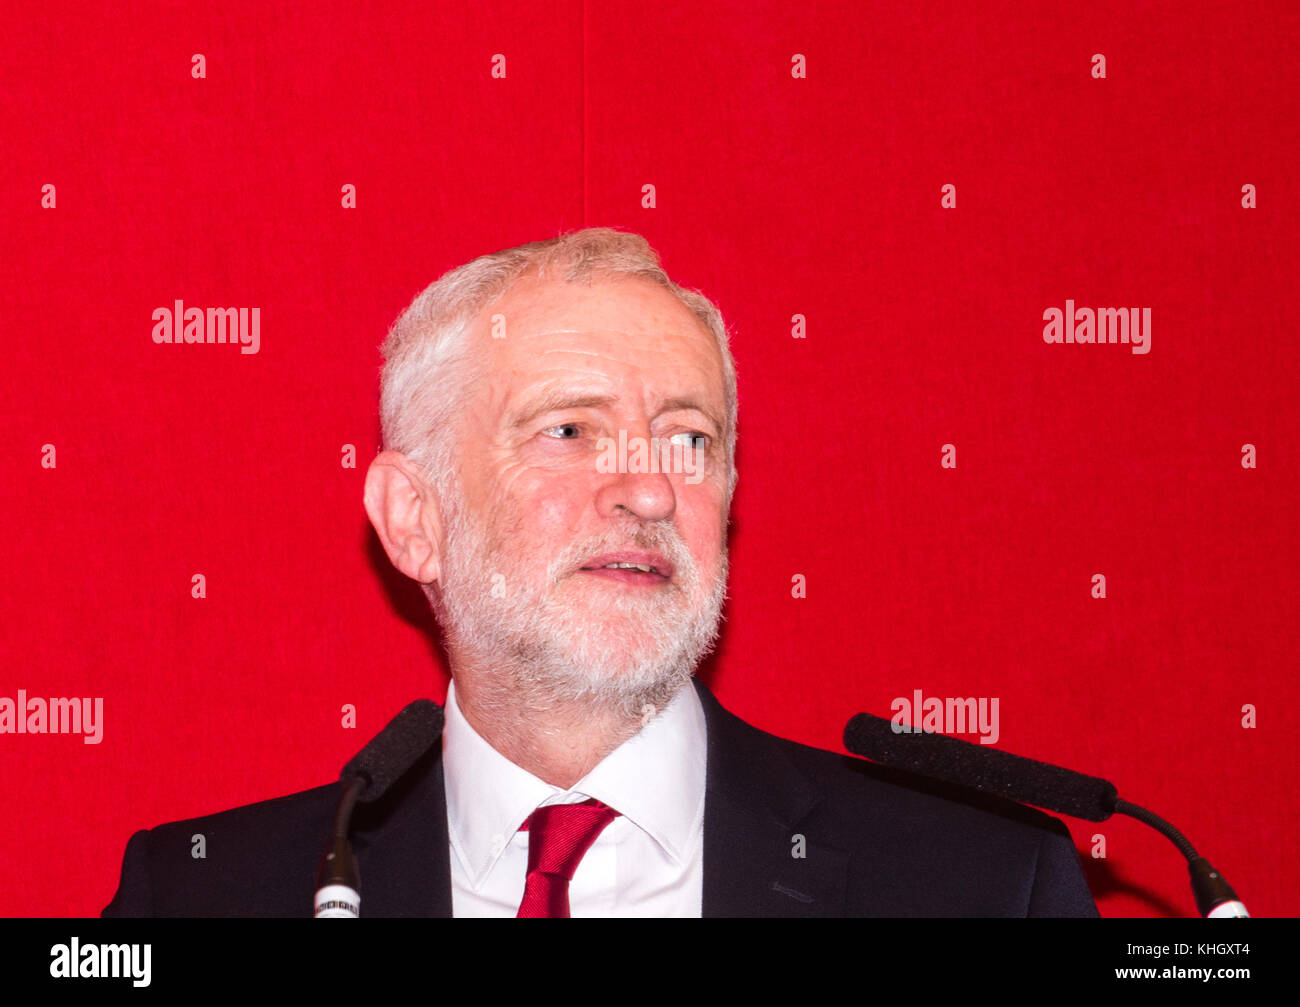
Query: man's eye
(566, 431)
(697, 440)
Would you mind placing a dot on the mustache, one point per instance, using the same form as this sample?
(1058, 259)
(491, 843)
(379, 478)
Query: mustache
(663, 538)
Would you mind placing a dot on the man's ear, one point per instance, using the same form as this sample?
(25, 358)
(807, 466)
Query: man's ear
(407, 515)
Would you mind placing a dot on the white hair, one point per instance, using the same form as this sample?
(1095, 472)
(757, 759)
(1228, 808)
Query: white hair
(426, 358)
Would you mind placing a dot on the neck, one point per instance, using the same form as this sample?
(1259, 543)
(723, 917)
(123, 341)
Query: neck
(558, 741)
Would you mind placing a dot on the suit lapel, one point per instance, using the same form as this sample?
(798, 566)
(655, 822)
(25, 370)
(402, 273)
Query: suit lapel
(756, 804)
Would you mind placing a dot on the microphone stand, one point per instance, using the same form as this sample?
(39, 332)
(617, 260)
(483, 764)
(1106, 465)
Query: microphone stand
(1215, 898)
(338, 884)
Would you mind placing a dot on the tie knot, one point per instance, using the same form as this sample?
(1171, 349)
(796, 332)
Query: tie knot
(559, 835)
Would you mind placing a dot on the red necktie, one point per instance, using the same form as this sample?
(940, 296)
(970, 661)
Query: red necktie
(559, 835)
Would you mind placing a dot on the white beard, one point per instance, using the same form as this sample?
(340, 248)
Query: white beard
(573, 641)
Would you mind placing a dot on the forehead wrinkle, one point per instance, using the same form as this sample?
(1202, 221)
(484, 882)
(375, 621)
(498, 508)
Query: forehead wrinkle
(568, 349)
(654, 342)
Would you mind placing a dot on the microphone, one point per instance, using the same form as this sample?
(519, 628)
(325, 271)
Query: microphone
(1028, 781)
(367, 778)
(981, 768)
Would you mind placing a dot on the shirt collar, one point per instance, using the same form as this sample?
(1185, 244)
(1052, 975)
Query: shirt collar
(655, 779)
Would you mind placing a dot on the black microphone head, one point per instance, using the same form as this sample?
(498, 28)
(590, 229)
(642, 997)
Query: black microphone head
(1026, 781)
(396, 748)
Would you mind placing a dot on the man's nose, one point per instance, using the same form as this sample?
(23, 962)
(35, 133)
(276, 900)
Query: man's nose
(647, 495)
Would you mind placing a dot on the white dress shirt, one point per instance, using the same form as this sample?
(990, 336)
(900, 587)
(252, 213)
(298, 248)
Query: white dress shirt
(647, 862)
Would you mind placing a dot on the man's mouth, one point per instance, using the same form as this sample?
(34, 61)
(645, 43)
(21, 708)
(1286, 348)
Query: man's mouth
(631, 567)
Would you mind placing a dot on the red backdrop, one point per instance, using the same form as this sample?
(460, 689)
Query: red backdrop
(778, 195)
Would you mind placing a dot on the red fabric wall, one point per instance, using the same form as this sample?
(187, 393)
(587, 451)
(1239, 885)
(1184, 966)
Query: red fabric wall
(777, 196)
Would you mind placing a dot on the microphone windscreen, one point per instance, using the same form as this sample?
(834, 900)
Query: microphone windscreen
(981, 768)
(396, 748)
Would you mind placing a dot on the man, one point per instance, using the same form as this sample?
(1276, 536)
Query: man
(559, 426)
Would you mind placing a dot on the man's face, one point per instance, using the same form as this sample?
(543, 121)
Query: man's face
(546, 503)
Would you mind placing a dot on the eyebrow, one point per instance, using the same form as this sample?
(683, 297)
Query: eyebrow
(558, 400)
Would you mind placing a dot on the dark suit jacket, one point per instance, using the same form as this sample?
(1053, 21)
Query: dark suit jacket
(874, 843)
